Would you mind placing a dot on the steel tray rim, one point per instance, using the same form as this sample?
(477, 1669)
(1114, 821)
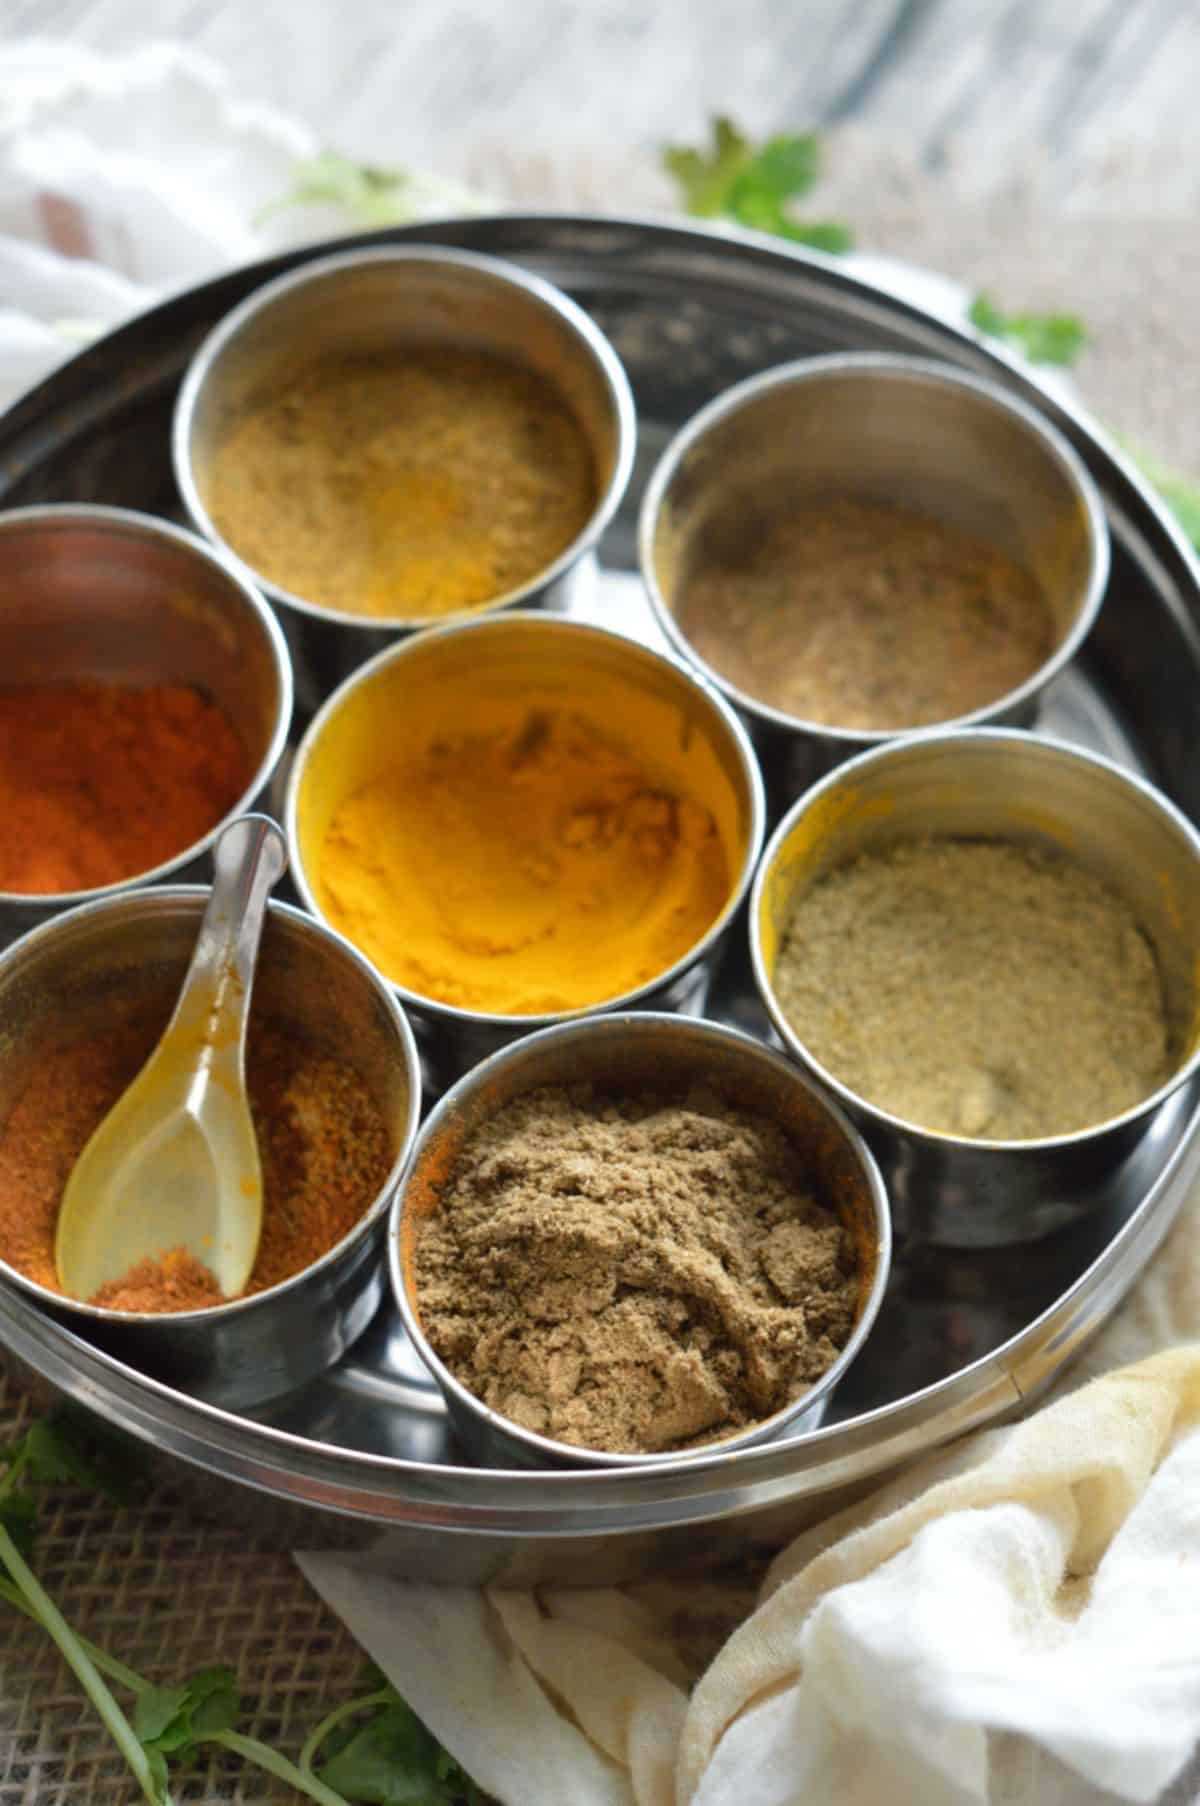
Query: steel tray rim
(392, 1491)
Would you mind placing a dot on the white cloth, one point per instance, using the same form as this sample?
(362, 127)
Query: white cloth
(1013, 1621)
(122, 178)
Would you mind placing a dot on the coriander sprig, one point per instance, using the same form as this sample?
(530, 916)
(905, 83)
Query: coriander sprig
(756, 187)
(731, 178)
(373, 1748)
(1049, 338)
(369, 194)
(367, 1743)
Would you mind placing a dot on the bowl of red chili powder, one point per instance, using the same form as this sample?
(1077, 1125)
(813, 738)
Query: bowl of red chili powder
(334, 1087)
(145, 700)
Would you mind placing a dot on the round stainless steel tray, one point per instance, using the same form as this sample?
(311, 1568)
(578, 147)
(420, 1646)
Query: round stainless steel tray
(362, 1458)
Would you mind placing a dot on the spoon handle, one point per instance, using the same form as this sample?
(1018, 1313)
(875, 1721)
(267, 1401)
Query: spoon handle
(249, 858)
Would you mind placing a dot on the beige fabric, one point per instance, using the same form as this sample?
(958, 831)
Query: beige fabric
(169, 1596)
(1087, 1502)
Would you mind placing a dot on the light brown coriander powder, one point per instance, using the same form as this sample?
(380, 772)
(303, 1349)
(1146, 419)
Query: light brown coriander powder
(633, 1274)
(976, 988)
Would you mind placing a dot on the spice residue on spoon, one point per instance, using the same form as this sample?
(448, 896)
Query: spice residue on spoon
(407, 483)
(322, 1141)
(863, 615)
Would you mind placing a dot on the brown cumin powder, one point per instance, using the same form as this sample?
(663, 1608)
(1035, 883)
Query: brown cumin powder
(633, 1274)
(867, 615)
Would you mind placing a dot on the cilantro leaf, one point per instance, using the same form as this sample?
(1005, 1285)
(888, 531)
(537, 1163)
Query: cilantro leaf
(1050, 338)
(781, 171)
(171, 1721)
(732, 179)
(69, 1445)
(392, 1760)
(822, 235)
(705, 177)
(18, 1514)
(1180, 495)
(369, 194)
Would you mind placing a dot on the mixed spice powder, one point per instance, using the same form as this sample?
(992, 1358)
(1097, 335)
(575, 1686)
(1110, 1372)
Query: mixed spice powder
(634, 1274)
(323, 1143)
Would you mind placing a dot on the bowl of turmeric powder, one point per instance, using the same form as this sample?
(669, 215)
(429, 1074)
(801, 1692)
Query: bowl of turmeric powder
(634, 1240)
(334, 1088)
(524, 818)
(391, 437)
(145, 698)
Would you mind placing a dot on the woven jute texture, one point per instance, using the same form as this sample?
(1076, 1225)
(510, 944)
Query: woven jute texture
(169, 1594)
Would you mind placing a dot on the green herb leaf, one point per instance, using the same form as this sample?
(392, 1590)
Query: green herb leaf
(755, 187)
(18, 1514)
(705, 177)
(171, 1721)
(783, 170)
(371, 195)
(392, 1760)
(160, 1780)
(70, 1446)
(823, 235)
(156, 1710)
(1044, 338)
(1180, 494)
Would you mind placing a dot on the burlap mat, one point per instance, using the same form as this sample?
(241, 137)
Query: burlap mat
(168, 1595)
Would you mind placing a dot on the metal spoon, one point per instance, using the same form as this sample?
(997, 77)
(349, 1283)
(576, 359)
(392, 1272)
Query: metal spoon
(175, 1163)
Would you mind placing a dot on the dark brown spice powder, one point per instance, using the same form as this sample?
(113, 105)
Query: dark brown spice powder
(633, 1275)
(323, 1143)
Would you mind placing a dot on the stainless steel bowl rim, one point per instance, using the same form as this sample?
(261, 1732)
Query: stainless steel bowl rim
(915, 369)
(613, 1027)
(877, 755)
(129, 521)
(537, 287)
(31, 942)
(548, 624)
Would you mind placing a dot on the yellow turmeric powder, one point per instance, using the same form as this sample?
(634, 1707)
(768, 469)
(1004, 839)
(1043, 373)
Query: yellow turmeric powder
(523, 868)
(407, 483)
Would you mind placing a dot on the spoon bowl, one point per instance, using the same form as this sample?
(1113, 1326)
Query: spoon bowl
(172, 1174)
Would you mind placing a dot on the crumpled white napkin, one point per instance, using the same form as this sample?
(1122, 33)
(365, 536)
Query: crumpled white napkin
(1015, 1620)
(122, 178)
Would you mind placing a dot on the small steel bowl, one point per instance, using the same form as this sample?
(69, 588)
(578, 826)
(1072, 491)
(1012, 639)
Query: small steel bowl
(101, 595)
(993, 784)
(374, 300)
(429, 678)
(882, 428)
(630, 1054)
(82, 971)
